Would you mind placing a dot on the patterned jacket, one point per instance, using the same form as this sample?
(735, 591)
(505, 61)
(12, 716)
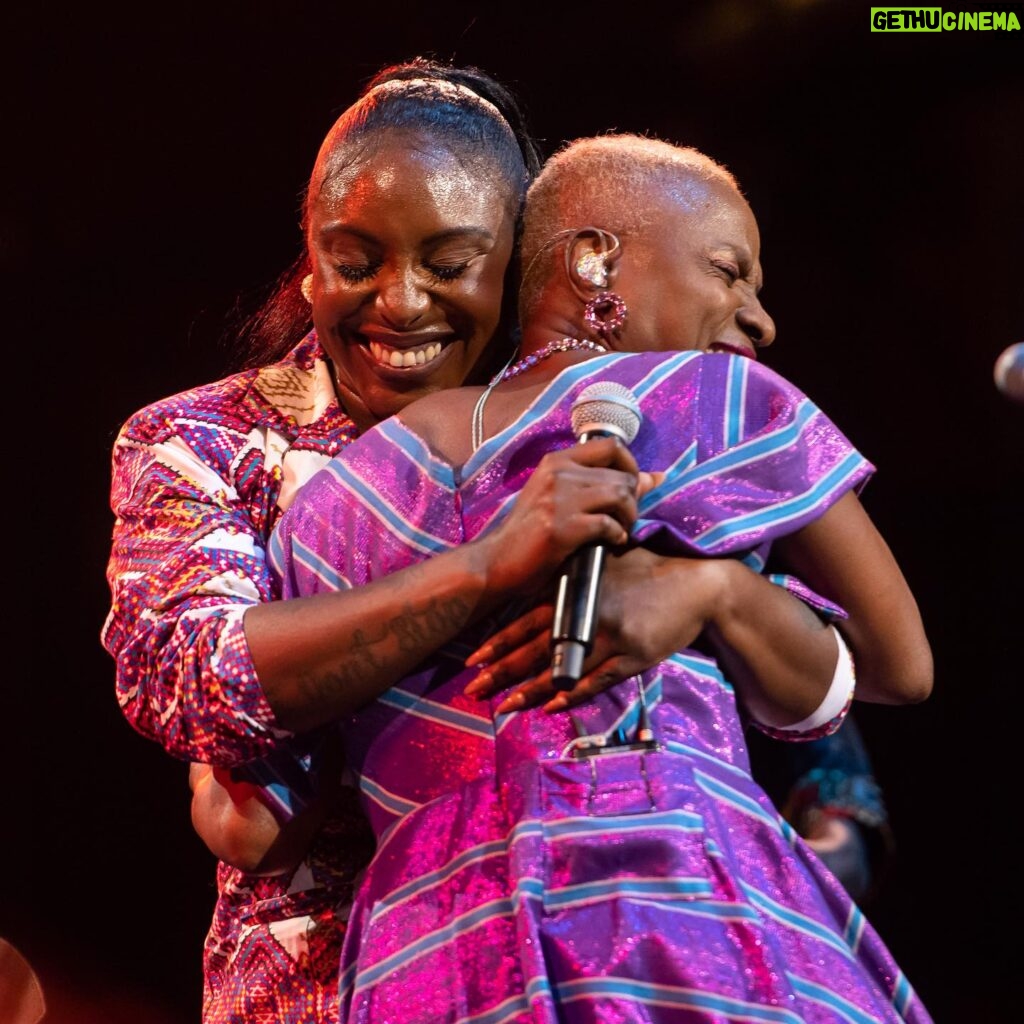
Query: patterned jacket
(199, 480)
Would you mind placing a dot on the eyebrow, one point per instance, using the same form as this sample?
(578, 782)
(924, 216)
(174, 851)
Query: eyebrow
(465, 232)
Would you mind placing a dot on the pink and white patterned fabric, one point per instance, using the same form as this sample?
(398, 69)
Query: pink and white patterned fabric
(199, 480)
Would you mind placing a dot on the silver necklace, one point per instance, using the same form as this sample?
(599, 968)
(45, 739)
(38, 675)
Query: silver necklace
(514, 369)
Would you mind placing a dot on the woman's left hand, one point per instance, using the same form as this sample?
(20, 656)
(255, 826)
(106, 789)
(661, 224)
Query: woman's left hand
(650, 606)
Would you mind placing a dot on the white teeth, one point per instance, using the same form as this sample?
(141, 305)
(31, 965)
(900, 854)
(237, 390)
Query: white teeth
(418, 356)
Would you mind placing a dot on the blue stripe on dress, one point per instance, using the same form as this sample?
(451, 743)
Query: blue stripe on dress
(457, 927)
(739, 801)
(680, 820)
(552, 395)
(903, 995)
(662, 888)
(816, 993)
(423, 883)
(507, 1010)
(855, 927)
(676, 472)
(408, 530)
(441, 714)
(538, 409)
(415, 449)
(276, 556)
(718, 910)
(501, 510)
(759, 447)
(735, 402)
(385, 799)
(345, 982)
(676, 747)
(307, 559)
(660, 372)
(795, 921)
(704, 670)
(528, 888)
(526, 828)
(652, 994)
(785, 511)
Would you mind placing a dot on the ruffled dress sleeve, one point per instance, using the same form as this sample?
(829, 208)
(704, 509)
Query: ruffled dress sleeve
(747, 458)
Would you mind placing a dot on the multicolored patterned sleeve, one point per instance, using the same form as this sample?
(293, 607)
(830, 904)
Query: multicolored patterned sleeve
(191, 502)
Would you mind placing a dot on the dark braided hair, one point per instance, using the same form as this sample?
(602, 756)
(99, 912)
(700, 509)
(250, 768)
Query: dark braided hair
(464, 124)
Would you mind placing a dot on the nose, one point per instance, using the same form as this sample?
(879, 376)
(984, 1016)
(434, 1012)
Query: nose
(401, 297)
(755, 322)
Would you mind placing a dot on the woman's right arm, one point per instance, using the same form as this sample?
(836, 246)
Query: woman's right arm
(324, 656)
(214, 669)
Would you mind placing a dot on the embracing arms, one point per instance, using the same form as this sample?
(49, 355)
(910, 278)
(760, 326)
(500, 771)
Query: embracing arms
(326, 655)
(776, 651)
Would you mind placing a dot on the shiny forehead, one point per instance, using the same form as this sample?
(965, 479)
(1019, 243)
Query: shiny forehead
(707, 216)
(414, 161)
(434, 115)
(711, 211)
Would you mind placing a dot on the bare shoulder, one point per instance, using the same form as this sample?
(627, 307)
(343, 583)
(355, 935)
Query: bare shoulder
(443, 420)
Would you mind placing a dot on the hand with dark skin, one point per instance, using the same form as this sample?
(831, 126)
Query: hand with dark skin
(635, 633)
(319, 658)
(575, 496)
(883, 629)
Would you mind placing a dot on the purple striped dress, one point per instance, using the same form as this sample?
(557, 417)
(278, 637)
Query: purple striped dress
(518, 878)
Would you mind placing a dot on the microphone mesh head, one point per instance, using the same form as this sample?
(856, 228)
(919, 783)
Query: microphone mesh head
(606, 407)
(1009, 372)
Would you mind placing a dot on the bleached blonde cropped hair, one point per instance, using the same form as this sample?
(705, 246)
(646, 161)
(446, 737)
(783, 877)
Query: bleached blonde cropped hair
(605, 181)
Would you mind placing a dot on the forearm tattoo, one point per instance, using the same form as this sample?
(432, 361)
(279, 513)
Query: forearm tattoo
(395, 648)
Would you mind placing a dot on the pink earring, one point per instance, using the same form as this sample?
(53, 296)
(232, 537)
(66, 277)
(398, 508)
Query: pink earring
(605, 313)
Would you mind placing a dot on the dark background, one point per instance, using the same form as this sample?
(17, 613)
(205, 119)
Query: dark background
(156, 156)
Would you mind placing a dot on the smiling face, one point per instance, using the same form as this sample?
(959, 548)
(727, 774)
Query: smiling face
(691, 276)
(409, 248)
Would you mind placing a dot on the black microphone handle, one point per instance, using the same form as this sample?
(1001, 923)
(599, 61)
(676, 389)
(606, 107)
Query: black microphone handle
(576, 615)
(572, 632)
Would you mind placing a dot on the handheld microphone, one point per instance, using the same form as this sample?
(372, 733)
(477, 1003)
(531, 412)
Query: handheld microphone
(603, 409)
(1009, 372)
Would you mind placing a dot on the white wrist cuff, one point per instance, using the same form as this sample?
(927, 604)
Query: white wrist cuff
(840, 692)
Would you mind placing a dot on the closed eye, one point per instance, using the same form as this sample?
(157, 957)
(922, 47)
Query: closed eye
(356, 272)
(731, 271)
(446, 271)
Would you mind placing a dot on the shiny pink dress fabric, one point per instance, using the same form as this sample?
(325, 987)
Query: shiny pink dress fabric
(514, 881)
